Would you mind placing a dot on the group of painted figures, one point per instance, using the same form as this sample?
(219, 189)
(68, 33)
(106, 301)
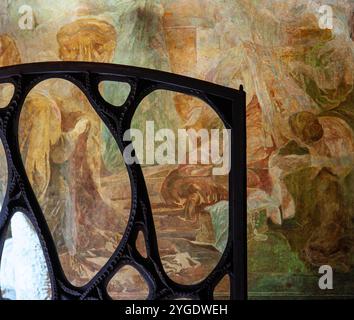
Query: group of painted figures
(303, 180)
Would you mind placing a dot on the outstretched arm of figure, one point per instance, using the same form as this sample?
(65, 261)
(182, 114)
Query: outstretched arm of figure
(290, 163)
(66, 143)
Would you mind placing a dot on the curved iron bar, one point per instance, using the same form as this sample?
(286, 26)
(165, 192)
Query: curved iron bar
(228, 103)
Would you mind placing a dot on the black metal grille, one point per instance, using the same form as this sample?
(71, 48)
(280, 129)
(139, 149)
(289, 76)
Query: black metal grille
(228, 103)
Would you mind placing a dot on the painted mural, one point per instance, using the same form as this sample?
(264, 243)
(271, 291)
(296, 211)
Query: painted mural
(299, 79)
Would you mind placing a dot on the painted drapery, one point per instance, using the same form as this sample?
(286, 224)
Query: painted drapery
(299, 82)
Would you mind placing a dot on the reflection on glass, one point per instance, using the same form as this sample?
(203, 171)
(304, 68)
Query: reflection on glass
(6, 93)
(189, 202)
(86, 205)
(222, 290)
(140, 244)
(115, 93)
(128, 284)
(23, 270)
(3, 173)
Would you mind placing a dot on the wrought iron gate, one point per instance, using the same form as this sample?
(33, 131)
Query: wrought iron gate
(228, 103)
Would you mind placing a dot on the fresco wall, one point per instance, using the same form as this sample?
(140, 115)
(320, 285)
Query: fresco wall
(300, 150)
